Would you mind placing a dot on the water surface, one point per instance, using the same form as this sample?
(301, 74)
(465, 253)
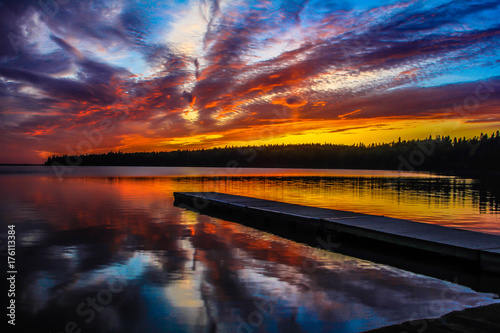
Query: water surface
(113, 235)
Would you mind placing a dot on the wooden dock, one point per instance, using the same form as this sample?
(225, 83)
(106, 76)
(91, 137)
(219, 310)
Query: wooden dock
(480, 251)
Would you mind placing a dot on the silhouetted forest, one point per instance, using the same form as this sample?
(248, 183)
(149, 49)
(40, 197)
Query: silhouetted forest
(443, 154)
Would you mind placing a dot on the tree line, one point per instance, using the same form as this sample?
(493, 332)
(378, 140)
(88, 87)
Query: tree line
(442, 154)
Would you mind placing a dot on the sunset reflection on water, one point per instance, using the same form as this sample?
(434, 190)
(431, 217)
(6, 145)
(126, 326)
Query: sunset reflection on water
(182, 271)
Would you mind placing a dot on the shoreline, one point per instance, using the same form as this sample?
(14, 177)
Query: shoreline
(490, 175)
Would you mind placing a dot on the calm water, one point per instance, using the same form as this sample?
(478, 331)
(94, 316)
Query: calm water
(105, 250)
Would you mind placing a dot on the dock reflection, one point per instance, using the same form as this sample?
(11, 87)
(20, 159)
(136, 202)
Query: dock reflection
(83, 238)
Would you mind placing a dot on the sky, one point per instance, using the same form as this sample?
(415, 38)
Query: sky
(80, 77)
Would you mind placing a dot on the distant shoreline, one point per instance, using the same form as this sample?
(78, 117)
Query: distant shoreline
(474, 157)
(490, 175)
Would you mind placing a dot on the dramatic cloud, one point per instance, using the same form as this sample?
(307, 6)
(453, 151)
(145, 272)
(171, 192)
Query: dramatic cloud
(93, 76)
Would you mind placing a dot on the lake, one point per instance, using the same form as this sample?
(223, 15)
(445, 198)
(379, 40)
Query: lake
(103, 249)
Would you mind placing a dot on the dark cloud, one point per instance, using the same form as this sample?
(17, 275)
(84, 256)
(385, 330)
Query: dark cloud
(462, 100)
(419, 20)
(239, 80)
(214, 11)
(65, 46)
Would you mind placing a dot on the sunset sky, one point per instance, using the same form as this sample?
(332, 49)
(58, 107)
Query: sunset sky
(95, 76)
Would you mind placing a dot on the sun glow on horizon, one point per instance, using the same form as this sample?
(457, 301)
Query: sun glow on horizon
(202, 74)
